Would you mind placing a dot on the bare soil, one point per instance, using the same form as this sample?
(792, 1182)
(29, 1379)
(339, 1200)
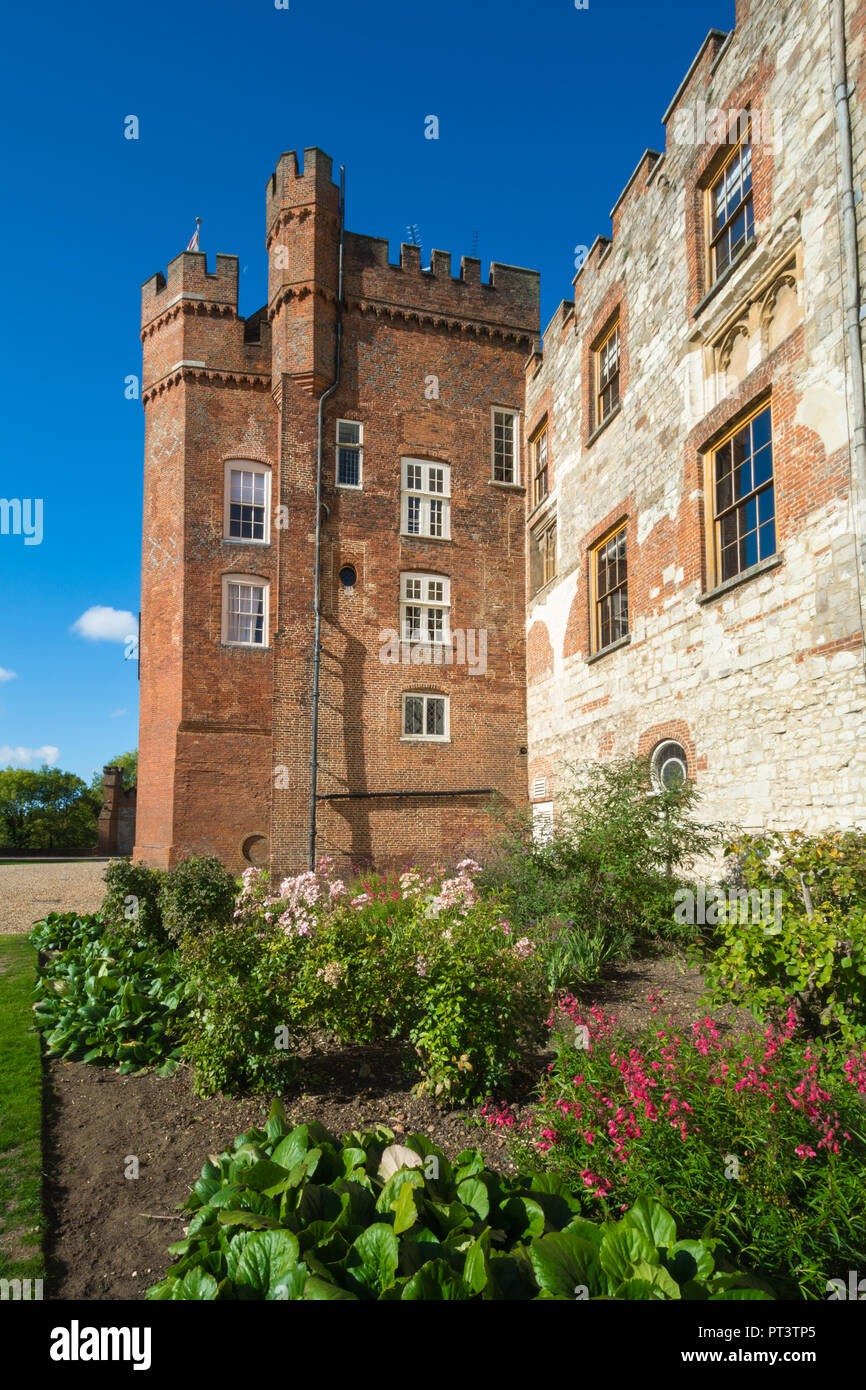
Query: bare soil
(109, 1233)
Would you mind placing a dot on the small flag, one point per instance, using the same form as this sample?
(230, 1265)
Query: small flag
(193, 241)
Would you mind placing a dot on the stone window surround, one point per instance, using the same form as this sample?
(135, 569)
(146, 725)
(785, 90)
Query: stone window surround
(754, 403)
(612, 308)
(698, 180)
(605, 535)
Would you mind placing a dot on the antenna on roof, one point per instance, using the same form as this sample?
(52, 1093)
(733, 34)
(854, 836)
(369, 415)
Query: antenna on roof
(475, 245)
(414, 233)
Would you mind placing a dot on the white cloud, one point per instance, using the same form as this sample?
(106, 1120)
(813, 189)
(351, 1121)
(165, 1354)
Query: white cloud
(7, 675)
(100, 624)
(116, 713)
(19, 756)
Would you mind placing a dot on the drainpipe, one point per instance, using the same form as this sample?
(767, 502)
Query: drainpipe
(317, 588)
(851, 274)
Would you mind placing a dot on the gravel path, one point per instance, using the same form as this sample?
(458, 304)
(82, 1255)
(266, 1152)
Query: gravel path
(29, 892)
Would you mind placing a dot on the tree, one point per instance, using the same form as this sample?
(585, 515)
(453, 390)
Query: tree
(48, 809)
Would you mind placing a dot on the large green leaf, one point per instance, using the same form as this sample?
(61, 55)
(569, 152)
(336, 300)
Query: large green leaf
(374, 1257)
(292, 1148)
(562, 1261)
(318, 1203)
(413, 1177)
(268, 1267)
(473, 1194)
(510, 1276)
(522, 1217)
(278, 1123)
(266, 1176)
(405, 1211)
(437, 1282)
(649, 1216)
(475, 1266)
(196, 1284)
(688, 1260)
(658, 1276)
(621, 1249)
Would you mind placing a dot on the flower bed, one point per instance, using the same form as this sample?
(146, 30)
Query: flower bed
(758, 1140)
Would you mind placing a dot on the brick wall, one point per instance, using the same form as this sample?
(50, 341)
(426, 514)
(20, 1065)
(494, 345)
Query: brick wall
(226, 731)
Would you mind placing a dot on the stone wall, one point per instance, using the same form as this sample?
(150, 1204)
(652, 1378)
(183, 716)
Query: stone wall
(761, 680)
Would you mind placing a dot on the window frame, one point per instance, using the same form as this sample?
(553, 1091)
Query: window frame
(658, 762)
(596, 599)
(537, 472)
(427, 496)
(425, 695)
(514, 413)
(260, 582)
(714, 239)
(427, 606)
(359, 449)
(713, 518)
(613, 329)
(539, 537)
(240, 465)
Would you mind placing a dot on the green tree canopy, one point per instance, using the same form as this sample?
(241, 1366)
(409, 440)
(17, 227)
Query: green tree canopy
(48, 809)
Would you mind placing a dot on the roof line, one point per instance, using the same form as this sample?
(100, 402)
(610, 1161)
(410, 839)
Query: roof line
(713, 34)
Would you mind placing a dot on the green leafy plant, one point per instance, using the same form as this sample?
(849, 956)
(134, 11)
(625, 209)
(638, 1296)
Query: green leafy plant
(242, 1028)
(813, 949)
(607, 876)
(197, 893)
(132, 899)
(106, 998)
(293, 1213)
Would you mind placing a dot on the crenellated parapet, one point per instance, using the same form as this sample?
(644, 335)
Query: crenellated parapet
(505, 308)
(190, 327)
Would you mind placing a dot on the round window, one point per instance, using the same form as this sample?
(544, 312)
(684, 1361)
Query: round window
(670, 766)
(348, 576)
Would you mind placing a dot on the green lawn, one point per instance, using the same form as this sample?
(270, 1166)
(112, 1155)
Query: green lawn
(21, 1220)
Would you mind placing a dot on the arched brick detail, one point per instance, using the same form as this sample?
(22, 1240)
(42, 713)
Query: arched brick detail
(539, 652)
(676, 729)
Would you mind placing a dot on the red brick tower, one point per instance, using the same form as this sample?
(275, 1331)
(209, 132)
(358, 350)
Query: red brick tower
(420, 497)
(205, 706)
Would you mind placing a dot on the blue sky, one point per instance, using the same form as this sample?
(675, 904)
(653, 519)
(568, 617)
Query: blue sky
(544, 110)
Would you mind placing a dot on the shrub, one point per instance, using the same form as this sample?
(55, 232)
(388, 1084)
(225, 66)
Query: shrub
(832, 866)
(757, 1141)
(106, 997)
(132, 899)
(814, 950)
(418, 956)
(608, 874)
(241, 1031)
(295, 1214)
(197, 893)
(479, 1006)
